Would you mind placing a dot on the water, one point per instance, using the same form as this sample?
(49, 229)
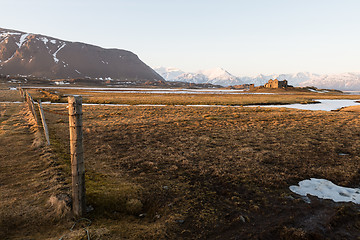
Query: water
(324, 105)
(352, 92)
(159, 90)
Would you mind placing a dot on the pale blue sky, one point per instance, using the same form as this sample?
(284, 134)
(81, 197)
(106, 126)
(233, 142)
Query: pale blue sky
(245, 37)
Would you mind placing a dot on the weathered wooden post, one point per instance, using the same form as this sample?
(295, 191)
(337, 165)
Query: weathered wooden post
(42, 115)
(77, 155)
(30, 102)
(21, 91)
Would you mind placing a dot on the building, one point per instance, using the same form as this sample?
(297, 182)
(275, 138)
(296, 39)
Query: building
(276, 84)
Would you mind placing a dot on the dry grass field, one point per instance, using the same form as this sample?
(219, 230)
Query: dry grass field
(135, 98)
(179, 172)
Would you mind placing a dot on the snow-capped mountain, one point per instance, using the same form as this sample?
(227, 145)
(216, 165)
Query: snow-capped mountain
(169, 73)
(345, 81)
(46, 57)
(219, 76)
(216, 76)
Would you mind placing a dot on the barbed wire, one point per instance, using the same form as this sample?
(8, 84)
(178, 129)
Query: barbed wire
(55, 112)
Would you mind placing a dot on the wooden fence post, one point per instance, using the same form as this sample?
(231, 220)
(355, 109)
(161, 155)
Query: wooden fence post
(77, 155)
(21, 91)
(30, 102)
(42, 115)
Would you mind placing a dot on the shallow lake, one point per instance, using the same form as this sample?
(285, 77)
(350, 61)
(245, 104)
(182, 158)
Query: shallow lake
(324, 105)
(160, 90)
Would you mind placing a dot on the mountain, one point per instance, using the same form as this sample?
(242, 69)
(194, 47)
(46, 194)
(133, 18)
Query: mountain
(345, 81)
(216, 76)
(46, 57)
(169, 73)
(219, 76)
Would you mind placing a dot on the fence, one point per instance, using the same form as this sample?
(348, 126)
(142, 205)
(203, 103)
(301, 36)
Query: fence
(76, 145)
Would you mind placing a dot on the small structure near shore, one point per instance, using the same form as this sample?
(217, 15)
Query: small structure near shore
(276, 84)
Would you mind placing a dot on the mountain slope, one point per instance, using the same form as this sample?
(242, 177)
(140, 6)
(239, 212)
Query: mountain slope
(46, 57)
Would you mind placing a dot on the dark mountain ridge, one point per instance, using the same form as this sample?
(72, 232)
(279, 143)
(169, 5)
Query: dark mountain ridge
(40, 56)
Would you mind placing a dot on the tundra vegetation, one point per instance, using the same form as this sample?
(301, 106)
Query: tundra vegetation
(180, 172)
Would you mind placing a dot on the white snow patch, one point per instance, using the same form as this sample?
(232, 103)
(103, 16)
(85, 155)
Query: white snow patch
(54, 55)
(325, 189)
(10, 58)
(5, 35)
(77, 71)
(22, 39)
(61, 83)
(45, 40)
(318, 91)
(53, 41)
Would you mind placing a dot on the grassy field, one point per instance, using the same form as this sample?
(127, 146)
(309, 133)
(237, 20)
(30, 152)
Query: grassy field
(179, 172)
(280, 97)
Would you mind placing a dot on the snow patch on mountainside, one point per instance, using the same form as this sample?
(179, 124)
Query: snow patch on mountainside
(22, 39)
(47, 57)
(56, 60)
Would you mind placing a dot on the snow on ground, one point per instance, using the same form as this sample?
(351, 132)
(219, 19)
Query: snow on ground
(61, 83)
(318, 91)
(325, 189)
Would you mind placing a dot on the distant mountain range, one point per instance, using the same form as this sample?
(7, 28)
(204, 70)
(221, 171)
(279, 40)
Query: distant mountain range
(219, 76)
(41, 56)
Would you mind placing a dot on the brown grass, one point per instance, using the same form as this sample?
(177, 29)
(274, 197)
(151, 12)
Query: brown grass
(213, 172)
(90, 96)
(180, 172)
(29, 176)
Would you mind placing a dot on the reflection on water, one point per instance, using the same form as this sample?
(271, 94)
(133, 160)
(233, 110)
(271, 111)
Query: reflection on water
(352, 92)
(324, 105)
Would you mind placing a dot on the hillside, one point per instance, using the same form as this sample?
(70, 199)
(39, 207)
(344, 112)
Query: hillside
(41, 56)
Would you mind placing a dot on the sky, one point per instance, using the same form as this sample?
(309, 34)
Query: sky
(245, 37)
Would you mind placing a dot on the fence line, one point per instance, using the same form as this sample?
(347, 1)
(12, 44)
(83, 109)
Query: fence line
(31, 105)
(42, 115)
(76, 146)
